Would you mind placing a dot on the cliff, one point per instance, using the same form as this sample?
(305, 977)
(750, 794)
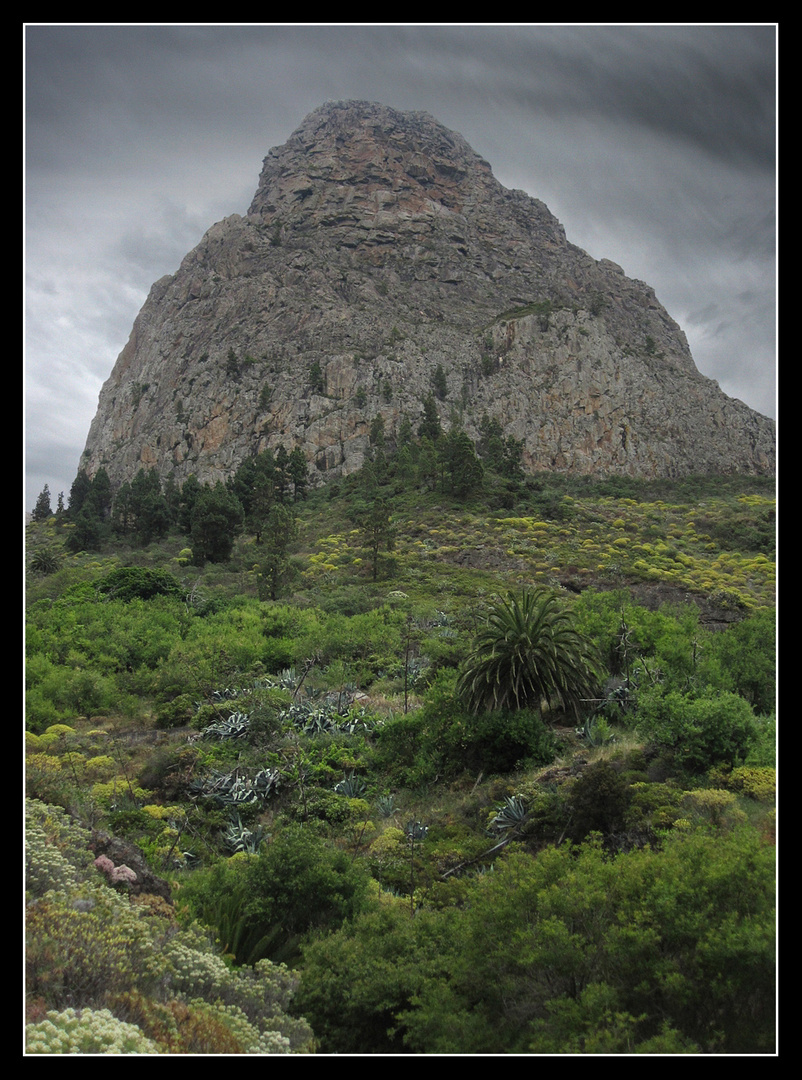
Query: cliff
(379, 246)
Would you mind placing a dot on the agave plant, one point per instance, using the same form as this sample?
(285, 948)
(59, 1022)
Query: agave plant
(239, 837)
(416, 830)
(265, 782)
(351, 786)
(596, 731)
(385, 804)
(236, 726)
(511, 815)
(528, 653)
(230, 789)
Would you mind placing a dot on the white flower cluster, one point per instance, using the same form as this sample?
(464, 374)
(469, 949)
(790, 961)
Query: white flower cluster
(71, 838)
(195, 971)
(86, 1031)
(45, 866)
(248, 1035)
(250, 1001)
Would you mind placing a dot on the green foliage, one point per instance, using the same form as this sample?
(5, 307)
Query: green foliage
(679, 944)
(444, 738)
(598, 802)
(439, 383)
(232, 364)
(529, 652)
(702, 730)
(216, 520)
(145, 507)
(46, 560)
(356, 982)
(42, 511)
(595, 1023)
(79, 491)
(501, 455)
(377, 532)
(280, 530)
(501, 740)
(299, 883)
(570, 951)
(317, 380)
(459, 463)
(747, 654)
(88, 533)
(139, 583)
(298, 472)
(644, 938)
(429, 426)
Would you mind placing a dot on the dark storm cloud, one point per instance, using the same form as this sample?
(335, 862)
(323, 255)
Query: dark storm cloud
(653, 145)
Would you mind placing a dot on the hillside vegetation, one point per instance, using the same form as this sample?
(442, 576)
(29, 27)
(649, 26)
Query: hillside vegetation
(425, 761)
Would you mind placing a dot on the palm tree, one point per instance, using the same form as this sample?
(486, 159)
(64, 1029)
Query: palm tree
(529, 653)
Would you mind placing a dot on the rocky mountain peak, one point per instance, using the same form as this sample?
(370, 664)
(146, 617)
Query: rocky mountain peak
(378, 249)
(363, 159)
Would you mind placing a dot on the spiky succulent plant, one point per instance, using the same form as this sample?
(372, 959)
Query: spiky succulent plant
(529, 652)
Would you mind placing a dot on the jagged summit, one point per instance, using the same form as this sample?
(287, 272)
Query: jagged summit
(345, 150)
(379, 246)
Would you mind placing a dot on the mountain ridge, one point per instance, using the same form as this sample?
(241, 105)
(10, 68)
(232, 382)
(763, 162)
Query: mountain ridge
(378, 248)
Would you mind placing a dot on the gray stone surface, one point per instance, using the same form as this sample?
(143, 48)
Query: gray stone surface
(377, 246)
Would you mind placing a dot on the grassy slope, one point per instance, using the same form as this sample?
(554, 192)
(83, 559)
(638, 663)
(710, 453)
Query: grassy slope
(709, 543)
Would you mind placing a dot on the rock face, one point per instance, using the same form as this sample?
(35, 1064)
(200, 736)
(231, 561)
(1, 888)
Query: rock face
(379, 246)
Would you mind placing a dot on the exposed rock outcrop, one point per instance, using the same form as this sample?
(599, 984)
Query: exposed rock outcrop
(378, 246)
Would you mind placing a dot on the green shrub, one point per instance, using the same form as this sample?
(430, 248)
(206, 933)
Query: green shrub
(699, 730)
(445, 737)
(598, 802)
(299, 883)
(139, 583)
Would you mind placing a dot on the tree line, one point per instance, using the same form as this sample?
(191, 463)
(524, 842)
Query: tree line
(259, 497)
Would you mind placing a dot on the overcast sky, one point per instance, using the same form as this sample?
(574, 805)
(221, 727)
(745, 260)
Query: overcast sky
(653, 145)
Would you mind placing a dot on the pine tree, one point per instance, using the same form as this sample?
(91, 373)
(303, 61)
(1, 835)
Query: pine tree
(81, 486)
(377, 532)
(298, 472)
(149, 507)
(42, 511)
(216, 521)
(281, 529)
(429, 426)
(439, 383)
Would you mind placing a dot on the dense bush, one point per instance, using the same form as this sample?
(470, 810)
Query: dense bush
(140, 583)
(85, 1031)
(598, 802)
(570, 951)
(443, 738)
(699, 730)
(300, 883)
(268, 903)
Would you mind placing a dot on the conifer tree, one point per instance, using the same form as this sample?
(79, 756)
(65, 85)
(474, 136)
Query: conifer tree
(216, 521)
(429, 426)
(78, 493)
(298, 472)
(280, 530)
(42, 511)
